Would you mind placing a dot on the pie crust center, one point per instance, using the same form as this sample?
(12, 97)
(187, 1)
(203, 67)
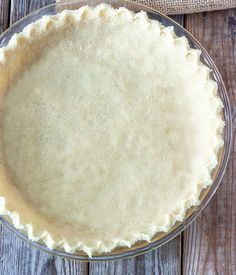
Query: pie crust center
(110, 128)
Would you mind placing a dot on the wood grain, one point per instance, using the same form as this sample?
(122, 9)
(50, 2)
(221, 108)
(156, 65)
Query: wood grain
(20, 8)
(210, 243)
(4, 14)
(164, 260)
(17, 257)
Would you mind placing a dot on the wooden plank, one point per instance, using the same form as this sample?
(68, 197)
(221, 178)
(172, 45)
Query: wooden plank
(20, 8)
(164, 260)
(4, 14)
(16, 256)
(210, 243)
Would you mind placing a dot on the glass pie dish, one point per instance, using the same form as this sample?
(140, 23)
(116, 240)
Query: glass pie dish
(162, 237)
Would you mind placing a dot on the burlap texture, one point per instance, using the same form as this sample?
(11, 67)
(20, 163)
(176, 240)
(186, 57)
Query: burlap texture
(185, 6)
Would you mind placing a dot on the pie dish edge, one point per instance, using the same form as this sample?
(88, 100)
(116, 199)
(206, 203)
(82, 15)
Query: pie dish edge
(65, 18)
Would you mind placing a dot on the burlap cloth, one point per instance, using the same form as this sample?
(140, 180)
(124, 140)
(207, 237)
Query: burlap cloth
(185, 6)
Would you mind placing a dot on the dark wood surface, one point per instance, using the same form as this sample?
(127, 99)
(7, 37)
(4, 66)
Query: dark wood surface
(208, 246)
(210, 242)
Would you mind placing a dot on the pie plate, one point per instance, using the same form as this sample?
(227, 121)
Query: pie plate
(217, 174)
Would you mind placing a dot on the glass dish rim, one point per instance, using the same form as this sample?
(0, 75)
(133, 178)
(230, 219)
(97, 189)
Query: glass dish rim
(225, 151)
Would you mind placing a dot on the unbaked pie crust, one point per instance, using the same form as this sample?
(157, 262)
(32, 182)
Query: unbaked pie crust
(110, 129)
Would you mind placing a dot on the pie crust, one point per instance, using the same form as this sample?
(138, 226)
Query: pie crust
(110, 129)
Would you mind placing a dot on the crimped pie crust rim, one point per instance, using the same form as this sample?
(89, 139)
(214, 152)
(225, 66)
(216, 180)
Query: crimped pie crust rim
(31, 32)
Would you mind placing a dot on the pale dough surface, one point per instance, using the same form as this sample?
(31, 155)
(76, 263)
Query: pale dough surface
(114, 128)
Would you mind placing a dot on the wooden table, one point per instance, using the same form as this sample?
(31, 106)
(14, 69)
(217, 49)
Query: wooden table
(208, 246)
